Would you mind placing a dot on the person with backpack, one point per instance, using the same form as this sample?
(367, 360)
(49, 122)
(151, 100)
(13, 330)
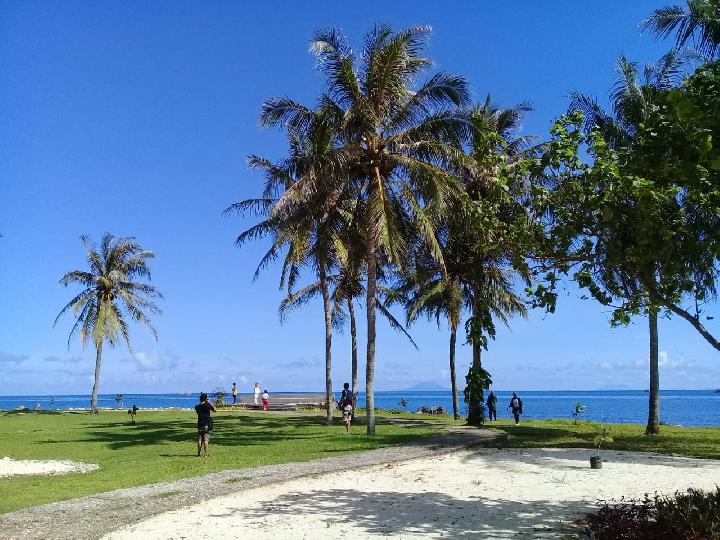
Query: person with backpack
(492, 406)
(346, 406)
(517, 407)
(204, 423)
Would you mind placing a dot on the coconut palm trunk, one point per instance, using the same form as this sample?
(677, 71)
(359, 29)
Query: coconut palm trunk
(475, 412)
(329, 398)
(371, 302)
(653, 424)
(453, 377)
(353, 341)
(96, 384)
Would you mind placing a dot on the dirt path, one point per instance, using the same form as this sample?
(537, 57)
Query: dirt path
(97, 515)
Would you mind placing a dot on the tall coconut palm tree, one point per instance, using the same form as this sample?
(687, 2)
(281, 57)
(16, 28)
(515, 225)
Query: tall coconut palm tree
(698, 24)
(110, 296)
(397, 144)
(631, 99)
(307, 228)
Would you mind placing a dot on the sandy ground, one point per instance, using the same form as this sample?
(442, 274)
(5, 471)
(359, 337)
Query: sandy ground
(484, 493)
(13, 467)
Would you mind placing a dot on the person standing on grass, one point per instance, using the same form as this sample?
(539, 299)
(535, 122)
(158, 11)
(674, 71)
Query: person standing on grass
(256, 392)
(517, 407)
(204, 423)
(492, 406)
(265, 400)
(234, 393)
(346, 406)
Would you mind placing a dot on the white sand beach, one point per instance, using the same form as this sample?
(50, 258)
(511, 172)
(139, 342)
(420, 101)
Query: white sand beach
(485, 493)
(15, 467)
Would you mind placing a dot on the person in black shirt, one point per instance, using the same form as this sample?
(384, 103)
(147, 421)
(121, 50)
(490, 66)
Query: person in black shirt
(492, 406)
(346, 406)
(204, 423)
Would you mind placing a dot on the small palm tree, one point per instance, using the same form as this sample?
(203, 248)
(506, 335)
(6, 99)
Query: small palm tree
(110, 295)
(699, 24)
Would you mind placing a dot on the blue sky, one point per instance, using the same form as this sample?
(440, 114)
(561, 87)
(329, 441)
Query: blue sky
(136, 118)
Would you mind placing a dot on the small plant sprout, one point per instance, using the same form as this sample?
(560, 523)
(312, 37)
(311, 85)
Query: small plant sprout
(603, 436)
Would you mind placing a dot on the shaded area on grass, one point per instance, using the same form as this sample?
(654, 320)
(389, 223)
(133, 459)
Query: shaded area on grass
(162, 446)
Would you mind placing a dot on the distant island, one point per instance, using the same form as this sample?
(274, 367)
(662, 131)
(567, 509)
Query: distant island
(427, 386)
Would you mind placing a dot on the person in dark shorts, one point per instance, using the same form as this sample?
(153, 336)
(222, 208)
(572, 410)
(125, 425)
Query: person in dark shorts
(492, 406)
(516, 406)
(204, 423)
(346, 406)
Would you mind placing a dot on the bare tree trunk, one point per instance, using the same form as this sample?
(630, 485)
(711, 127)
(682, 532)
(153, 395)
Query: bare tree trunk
(329, 397)
(371, 302)
(653, 424)
(353, 339)
(96, 385)
(453, 377)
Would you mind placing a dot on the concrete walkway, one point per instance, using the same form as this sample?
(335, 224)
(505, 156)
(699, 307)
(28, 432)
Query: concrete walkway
(96, 515)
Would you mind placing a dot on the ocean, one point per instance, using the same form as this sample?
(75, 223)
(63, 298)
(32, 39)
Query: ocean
(679, 407)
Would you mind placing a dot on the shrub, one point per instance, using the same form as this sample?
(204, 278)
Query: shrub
(690, 515)
(436, 409)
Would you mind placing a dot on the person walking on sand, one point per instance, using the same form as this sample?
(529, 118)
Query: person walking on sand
(492, 406)
(234, 393)
(204, 423)
(256, 392)
(265, 400)
(517, 407)
(346, 406)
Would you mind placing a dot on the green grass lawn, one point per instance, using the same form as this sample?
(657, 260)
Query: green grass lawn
(162, 446)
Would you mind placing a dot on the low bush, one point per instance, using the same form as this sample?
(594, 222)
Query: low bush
(690, 515)
(436, 409)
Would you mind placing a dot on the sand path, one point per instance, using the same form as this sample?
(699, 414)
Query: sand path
(485, 493)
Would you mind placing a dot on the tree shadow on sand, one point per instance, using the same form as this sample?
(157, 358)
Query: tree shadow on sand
(427, 513)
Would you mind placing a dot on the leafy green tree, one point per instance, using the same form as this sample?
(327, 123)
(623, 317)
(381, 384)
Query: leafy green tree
(110, 296)
(614, 270)
(698, 23)
(677, 147)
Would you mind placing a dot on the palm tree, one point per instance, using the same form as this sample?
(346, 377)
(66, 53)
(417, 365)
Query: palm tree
(437, 296)
(110, 295)
(483, 258)
(307, 228)
(699, 24)
(631, 99)
(399, 145)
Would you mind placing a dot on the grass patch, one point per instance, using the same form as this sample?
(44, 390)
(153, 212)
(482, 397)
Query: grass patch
(162, 446)
(699, 442)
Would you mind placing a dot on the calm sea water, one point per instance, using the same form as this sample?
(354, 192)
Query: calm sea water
(682, 407)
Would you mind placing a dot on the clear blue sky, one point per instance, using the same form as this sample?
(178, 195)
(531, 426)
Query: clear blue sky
(136, 118)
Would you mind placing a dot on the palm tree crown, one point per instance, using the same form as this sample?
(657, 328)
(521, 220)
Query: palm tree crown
(110, 295)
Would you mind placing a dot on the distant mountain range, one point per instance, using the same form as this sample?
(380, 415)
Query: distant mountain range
(427, 386)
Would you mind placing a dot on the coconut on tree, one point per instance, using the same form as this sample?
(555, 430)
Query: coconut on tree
(112, 296)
